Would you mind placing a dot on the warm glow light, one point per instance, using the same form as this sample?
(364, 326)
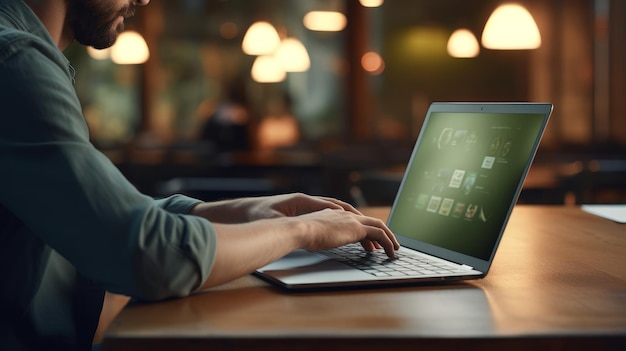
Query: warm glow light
(373, 63)
(325, 21)
(130, 49)
(371, 3)
(278, 131)
(97, 54)
(267, 69)
(463, 44)
(424, 42)
(229, 30)
(292, 55)
(260, 39)
(511, 27)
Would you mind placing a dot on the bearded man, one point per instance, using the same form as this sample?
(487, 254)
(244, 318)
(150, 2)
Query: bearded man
(71, 225)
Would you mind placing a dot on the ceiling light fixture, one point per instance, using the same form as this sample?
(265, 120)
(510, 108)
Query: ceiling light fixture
(130, 48)
(292, 55)
(511, 27)
(260, 39)
(463, 44)
(267, 69)
(325, 21)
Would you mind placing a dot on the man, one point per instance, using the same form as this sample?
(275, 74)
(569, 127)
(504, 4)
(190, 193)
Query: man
(71, 226)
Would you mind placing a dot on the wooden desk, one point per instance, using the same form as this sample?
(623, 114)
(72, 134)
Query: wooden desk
(558, 283)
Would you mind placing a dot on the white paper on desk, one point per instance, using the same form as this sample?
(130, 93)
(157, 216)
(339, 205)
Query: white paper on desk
(615, 213)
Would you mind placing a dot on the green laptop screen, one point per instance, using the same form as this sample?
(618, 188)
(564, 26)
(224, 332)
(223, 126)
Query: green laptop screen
(463, 179)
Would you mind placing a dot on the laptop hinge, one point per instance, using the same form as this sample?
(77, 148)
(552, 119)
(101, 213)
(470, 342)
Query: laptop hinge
(469, 268)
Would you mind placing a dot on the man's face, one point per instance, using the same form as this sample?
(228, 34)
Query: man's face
(97, 23)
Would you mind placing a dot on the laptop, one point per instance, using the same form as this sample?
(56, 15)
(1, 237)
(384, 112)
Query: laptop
(459, 188)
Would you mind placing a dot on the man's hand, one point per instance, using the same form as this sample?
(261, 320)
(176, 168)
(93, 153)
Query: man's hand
(331, 228)
(242, 248)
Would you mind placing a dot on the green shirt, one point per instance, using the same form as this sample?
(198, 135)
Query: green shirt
(71, 225)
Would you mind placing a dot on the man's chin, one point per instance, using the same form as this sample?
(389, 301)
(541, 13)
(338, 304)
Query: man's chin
(99, 46)
(106, 41)
(108, 37)
(99, 43)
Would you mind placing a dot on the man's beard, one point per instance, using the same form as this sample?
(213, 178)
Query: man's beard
(93, 22)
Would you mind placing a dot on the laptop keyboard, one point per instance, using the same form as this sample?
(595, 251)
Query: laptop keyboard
(378, 264)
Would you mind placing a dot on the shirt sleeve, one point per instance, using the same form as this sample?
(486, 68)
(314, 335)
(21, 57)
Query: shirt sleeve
(71, 196)
(177, 203)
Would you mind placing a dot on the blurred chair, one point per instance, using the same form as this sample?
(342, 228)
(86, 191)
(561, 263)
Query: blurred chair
(546, 182)
(374, 187)
(600, 181)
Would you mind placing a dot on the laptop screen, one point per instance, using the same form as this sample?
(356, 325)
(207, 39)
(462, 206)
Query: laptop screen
(464, 177)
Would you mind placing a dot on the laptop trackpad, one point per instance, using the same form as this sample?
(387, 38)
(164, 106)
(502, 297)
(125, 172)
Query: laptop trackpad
(307, 265)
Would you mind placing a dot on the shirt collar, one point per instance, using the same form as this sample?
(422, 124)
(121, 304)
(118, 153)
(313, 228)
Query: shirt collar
(17, 14)
(21, 17)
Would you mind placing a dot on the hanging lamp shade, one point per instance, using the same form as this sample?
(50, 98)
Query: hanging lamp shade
(260, 39)
(267, 69)
(130, 48)
(325, 21)
(293, 56)
(463, 44)
(371, 3)
(98, 54)
(511, 27)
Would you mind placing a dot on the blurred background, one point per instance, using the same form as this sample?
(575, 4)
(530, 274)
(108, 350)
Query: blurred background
(226, 98)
